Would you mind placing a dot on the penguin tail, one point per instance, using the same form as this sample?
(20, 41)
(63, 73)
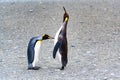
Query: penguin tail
(57, 45)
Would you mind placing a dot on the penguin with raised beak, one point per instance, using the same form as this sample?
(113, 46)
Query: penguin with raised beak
(60, 42)
(34, 50)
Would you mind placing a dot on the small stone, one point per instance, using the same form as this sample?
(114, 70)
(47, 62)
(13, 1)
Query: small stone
(97, 69)
(105, 78)
(15, 47)
(105, 70)
(31, 10)
(75, 74)
(45, 67)
(84, 71)
(105, 9)
(72, 46)
(9, 41)
(81, 22)
(57, 70)
(12, 3)
(95, 65)
(91, 6)
(1, 60)
(43, 8)
(88, 52)
(77, 61)
(53, 19)
(40, 2)
(115, 33)
(119, 58)
(51, 72)
(63, 73)
(112, 74)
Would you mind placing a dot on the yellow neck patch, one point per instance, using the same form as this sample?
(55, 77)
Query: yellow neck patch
(43, 35)
(39, 42)
(66, 19)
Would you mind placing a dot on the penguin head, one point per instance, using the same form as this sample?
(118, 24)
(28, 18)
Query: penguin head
(45, 37)
(65, 16)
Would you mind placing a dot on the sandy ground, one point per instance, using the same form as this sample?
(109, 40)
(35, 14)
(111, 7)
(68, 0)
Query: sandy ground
(93, 39)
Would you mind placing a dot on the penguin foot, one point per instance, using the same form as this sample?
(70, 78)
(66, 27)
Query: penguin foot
(62, 68)
(34, 68)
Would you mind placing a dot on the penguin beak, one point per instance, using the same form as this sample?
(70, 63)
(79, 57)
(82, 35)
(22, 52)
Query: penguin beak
(51, 37)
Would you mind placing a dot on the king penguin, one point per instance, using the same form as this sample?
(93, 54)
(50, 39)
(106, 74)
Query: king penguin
(60, 42)
(34, 50)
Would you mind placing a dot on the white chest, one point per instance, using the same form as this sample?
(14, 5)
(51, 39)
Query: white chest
(56, 36)
(55, 41)
(37, 52)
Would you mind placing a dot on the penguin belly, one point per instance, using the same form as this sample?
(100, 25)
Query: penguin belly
(37, 51)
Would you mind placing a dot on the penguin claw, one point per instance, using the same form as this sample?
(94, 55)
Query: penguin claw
(34, 68)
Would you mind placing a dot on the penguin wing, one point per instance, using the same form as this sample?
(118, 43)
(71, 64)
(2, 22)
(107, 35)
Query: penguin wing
(30, 53)
(30, 50)
(57, 45)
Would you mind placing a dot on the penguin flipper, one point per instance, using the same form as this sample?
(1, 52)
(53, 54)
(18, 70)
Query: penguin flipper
(30, 54)
(57, 45)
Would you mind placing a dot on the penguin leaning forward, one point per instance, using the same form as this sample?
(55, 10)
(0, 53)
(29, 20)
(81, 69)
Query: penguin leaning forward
(60, 42)
(34, 50)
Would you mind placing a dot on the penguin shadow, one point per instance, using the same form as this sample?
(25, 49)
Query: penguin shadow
(60, 68)
(56, 69)
(45, 68)
(52, 68)
(34, 68)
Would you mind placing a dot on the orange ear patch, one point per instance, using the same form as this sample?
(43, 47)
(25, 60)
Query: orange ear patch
(66, 19)
(39, 42)
(43, 34)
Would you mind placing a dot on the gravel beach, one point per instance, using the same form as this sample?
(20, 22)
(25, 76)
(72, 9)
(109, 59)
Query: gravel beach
(93, 33)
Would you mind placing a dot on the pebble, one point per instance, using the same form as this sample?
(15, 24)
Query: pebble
(112, 74)
(88, 52)
(45, 67)
(95, 65)
(1, 60)
(53, 19)
(105, 78)
(57, 70)
(12, 3)
(21, 56)
(115, 33)
(40, 2)
(9, 41)
(72, 46)
(77, 61)
(105, 9)
(63, 73)
(119, 58)
(84, 71)
(31, 10)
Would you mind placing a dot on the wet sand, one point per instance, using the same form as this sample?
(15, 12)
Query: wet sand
(93, 39)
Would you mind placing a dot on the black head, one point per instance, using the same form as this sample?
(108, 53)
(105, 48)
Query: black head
(45, 36)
